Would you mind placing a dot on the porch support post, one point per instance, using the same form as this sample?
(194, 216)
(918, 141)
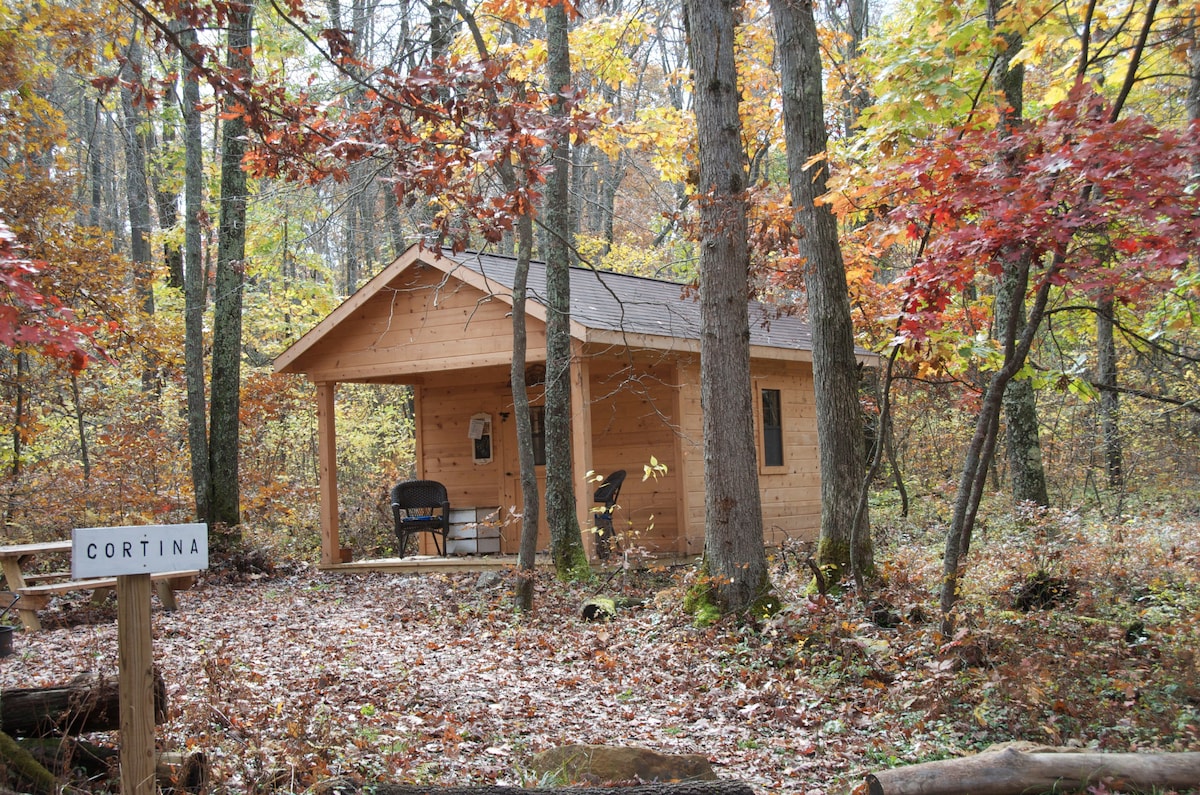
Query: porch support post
(679, 476)
(581, 442)
(327, 461)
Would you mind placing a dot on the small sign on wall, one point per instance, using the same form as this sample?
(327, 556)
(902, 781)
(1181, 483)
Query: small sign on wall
(480, 434)
(142, 549)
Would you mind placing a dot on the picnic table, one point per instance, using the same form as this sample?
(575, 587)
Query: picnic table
(35, 589)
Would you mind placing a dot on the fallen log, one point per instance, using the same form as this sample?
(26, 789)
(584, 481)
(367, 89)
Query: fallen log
(27, 771)
(344, 787)
(65, 756)
(1011, 771)
(87, 704)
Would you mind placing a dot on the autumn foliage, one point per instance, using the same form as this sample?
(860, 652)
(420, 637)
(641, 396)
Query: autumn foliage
(1101, 207)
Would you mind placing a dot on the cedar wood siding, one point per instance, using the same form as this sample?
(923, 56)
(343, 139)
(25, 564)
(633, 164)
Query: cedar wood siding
(423, 323)
(452, 342)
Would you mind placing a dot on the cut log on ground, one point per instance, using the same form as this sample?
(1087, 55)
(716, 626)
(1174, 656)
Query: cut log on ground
(88, 704)
(1013, 772)
(342, 787)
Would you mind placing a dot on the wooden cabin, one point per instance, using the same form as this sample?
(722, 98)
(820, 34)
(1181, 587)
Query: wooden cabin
(442, 324)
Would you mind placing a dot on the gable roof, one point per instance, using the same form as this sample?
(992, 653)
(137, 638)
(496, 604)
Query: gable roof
(617, 302)
(606, 307)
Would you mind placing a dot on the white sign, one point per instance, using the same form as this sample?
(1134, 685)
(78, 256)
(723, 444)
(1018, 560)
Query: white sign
(146, 549)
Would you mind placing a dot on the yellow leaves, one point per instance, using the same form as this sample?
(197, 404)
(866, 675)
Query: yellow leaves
(603, 48)
(665, 134)
(653, 470)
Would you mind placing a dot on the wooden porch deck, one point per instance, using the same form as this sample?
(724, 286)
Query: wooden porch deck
(431, 564)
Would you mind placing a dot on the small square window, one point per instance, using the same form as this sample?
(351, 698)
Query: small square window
(772, 424)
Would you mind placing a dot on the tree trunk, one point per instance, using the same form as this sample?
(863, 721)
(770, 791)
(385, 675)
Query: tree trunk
(983, 442)
(20, 764)
(1020, 404)
(566, 539)
(734, 557)
(175, 772)
(527, 552)
(87, 705)
(1026, 472)
(1106, 379)
(166, 199)
(843, 541)
(1193, 89)
(227, 300)
(137, 194)
(85, 458)
(195, 279)
(1012, 772)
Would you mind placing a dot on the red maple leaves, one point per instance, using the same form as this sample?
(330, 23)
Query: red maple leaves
(1096, 205)
(31, 318)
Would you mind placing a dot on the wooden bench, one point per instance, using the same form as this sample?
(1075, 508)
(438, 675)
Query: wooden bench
(36, 589)
(37, 597)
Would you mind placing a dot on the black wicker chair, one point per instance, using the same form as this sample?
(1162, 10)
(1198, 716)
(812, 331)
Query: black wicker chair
(607, 493)
(421, 506)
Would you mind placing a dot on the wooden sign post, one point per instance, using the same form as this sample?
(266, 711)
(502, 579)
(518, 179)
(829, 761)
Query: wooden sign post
(132, 554)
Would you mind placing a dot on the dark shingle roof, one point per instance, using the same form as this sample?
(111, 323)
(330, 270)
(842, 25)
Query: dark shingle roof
(637, 305)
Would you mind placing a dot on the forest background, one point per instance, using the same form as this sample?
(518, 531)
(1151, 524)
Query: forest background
(102, 250)
(968, 142)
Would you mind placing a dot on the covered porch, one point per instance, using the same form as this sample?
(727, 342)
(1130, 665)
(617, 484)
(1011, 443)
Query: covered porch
(442, 325)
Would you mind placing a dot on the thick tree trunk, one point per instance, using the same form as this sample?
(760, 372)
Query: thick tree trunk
(227, 299)
(733, 525)
(1013, 772)
(194, 282)
(835, 368)
(566, 538)
(87, 705)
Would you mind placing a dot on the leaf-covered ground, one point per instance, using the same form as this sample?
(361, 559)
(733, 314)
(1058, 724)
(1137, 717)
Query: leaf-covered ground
(293, 676)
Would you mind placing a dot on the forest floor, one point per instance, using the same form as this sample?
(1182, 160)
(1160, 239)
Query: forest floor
(283, 675)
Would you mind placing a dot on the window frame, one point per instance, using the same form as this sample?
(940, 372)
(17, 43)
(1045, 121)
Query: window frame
(761, 389)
